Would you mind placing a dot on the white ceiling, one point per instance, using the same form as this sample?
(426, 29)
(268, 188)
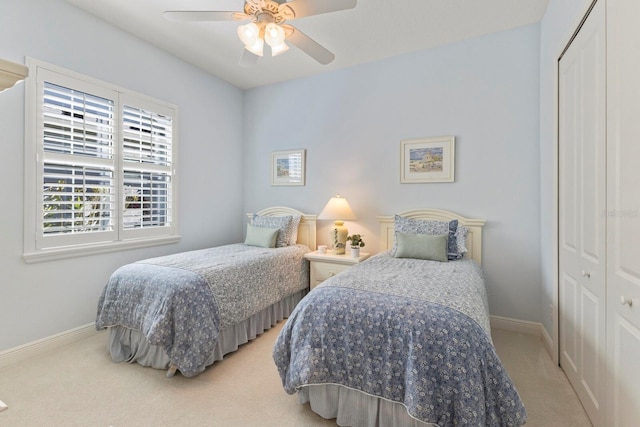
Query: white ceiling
(373, 30)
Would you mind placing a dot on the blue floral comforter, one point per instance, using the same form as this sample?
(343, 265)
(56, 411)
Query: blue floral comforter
(180, 302)
(410, 331)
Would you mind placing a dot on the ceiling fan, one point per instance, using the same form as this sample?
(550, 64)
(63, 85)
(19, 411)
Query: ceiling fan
(267, 24)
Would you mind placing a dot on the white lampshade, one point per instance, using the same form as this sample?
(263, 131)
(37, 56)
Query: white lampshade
(256, 48)
(278, 49)
(274, 35)
(255, 35)
(338, 209)
(249, 33)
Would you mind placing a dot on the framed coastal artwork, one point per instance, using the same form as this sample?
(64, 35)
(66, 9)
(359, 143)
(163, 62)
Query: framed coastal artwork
(427, 160)
(287, 167)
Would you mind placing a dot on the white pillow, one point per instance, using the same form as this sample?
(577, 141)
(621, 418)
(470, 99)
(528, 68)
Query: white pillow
(461, 240)
(293, 230)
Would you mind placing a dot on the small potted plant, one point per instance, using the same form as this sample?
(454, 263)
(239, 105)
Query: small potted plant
(356, 244)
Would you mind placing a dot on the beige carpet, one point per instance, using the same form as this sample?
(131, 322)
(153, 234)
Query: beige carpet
(80, 386)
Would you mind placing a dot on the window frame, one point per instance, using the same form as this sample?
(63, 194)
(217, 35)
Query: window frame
(38, 247)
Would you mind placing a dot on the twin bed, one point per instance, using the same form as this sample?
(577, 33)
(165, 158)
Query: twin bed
(398, 340)
(401, 339)
(187, 310)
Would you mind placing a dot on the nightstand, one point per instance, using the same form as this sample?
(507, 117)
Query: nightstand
(327, 265)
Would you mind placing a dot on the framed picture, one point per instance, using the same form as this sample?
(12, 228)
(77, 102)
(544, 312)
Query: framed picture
(427, 160)
(287, 167)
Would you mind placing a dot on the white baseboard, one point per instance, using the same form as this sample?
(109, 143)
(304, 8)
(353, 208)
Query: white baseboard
(548, 344)
(525, 327)
(515, 325)
(45, 345)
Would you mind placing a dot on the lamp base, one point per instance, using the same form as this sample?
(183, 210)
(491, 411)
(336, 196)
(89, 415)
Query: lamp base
(338, 236)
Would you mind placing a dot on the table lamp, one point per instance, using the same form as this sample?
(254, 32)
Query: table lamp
(338, 210)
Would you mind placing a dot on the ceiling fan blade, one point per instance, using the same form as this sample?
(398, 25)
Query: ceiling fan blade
(308, 45)
(248, 59)
(203, 15)
(302, 8)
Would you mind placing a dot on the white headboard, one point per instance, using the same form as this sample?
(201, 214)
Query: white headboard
(474, 238)
(306, 230)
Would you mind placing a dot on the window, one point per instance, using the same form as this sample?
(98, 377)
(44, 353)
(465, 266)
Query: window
(100, 166)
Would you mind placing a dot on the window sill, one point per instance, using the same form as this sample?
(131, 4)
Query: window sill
(94, 249)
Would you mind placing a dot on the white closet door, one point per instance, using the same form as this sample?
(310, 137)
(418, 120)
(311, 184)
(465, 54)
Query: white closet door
(623, 211)
(582, 219)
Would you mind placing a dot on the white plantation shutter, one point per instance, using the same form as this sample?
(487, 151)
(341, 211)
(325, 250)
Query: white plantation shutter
(77, 198)
(78, 166)
(102, 166)
(147, 153)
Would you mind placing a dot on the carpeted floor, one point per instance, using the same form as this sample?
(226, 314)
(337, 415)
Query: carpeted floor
(80, 386)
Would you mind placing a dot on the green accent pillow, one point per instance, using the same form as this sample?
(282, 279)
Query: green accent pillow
(422, 246)
(263, 237)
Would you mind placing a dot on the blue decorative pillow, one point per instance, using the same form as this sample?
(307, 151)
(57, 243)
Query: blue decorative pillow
(431, 247)
(279, 222)
(263, 237)
(431, 227)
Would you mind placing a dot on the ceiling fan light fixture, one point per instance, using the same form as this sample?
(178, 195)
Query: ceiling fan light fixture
(249, 34)
(257, 48)
(267, 24)
(278, 49)
(274, 35)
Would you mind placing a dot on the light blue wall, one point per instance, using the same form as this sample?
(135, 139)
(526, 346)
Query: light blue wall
(39, 300)
(494, 93)
(558, 25)
(484, 91)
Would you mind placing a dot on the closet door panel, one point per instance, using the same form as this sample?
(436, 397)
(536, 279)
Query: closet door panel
(592, 344)
(625, 390)
(623, 213)
(582, 205)
(569, 154)
(569, 194)
(593, 148)
(569, 316)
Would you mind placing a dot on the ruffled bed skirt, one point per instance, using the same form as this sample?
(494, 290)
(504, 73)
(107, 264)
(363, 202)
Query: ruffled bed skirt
(130, 345)
(353, 408)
